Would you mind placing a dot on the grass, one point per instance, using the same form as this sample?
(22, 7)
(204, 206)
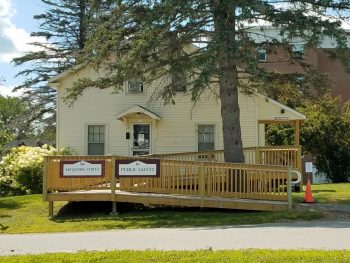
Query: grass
(337, 194)
(28, 214)
(208, 256)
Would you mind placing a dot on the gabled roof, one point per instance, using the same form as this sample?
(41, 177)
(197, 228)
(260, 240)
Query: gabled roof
(137, 109)
(275, 108)
(61, 75)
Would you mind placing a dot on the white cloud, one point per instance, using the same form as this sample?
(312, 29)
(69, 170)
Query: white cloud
(13, 40)
(6, 91)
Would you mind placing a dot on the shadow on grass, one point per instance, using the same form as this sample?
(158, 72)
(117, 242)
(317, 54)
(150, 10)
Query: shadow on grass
(3, 227)
(10, 204)
(145, 216)
(140, 216)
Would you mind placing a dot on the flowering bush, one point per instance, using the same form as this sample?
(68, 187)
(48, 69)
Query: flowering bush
(22, 169)
(8, 186)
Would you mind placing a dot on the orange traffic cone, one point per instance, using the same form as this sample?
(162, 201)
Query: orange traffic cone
(308, 194)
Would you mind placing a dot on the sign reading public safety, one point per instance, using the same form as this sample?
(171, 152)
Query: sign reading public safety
(137, 168)
(82, 169)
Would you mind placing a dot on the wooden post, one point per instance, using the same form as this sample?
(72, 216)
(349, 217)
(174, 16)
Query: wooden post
(257, 155)
(289, 188)
(113, 188)
(210, 156)
(297, 133)
(50, 208)
(45, 174)
(201, 183)
(114, 209)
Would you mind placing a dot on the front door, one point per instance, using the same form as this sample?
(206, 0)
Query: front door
(141, 139)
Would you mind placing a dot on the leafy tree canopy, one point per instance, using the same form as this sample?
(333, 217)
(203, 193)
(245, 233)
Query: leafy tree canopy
(13, 121)
(148, 38)
(63, 28)
(326, 135)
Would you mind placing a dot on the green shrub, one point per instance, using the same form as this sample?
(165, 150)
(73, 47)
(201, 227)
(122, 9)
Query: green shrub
(325, 133)
(279, 134)
(31, 178)
(22, 169)
(9, 186)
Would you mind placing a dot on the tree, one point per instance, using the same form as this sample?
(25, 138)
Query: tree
(326, 135)
(13, 122)
(64, 26)
(150, 38)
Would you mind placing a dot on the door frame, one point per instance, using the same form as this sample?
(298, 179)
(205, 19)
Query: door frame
(131, 141)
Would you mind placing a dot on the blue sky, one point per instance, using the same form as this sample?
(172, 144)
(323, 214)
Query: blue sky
(16, 24)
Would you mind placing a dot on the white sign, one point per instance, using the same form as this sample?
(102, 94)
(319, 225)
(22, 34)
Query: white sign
(308, 167)
(141, 137)
(137, 168)
(82, 168)
(278, 118)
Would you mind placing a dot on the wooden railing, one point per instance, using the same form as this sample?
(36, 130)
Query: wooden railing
(203, 179)
(52, 179)
(288, 156)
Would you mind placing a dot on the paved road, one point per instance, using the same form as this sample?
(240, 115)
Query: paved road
(301, 235)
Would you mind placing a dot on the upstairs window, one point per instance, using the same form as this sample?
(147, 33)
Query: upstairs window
(179, 80)
(261, 53)
(135, 86)
(300, 81)
(298, 51)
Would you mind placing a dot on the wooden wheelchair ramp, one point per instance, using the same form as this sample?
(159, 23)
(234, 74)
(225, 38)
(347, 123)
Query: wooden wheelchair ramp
(171, 200)
(180, 183)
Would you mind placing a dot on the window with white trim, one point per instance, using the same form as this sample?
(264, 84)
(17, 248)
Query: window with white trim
(206, 137)
(96, 139)
(135, 86)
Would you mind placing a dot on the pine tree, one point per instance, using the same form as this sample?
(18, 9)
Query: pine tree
(148, 38)
(64, 26)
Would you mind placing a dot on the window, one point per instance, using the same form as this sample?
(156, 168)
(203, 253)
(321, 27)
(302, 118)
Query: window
(135, 86)
(299, 79)
(298, 51)
(179, 81)
(261, 55)
(206, 137)
(96, 139)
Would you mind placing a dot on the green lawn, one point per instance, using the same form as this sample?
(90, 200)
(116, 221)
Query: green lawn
(208, 256)
(328, 194)
(28, 214)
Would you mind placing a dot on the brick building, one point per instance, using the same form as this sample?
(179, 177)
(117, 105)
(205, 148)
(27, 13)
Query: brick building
(278, 59)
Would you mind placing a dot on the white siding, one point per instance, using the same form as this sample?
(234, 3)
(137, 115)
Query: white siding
(175, 132)
(268, 109)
